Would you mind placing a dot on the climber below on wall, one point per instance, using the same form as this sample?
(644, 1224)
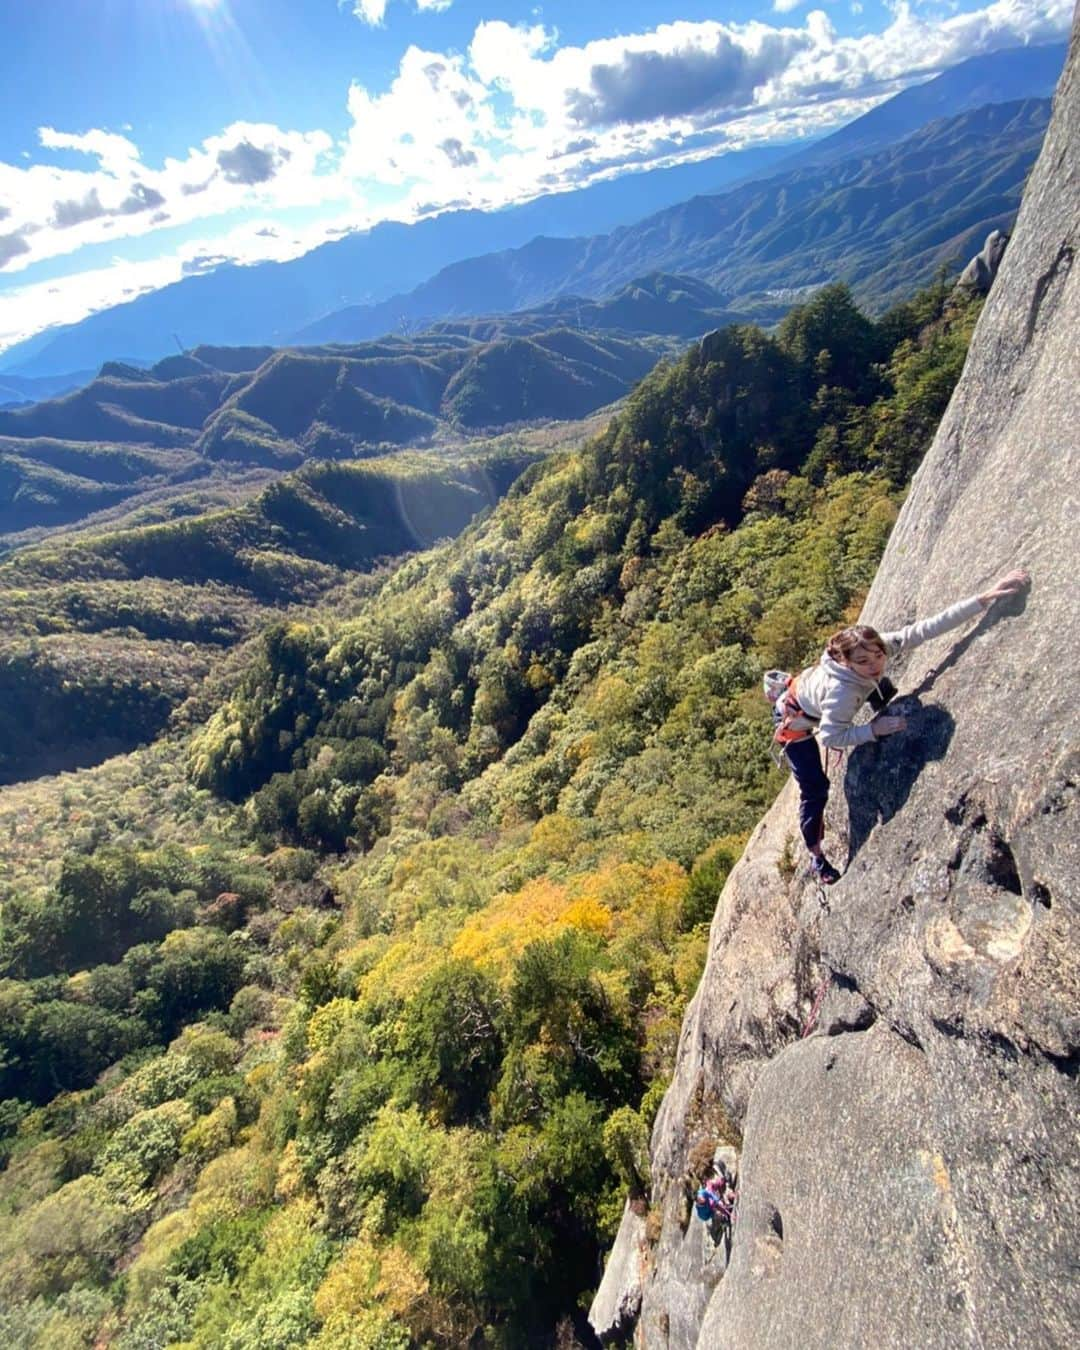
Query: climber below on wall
(714, 1203)
(819, 705)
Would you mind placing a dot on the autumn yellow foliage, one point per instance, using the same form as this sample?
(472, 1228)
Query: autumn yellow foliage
(500, 933)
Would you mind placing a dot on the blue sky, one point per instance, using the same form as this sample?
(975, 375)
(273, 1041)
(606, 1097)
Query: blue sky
(142, 140)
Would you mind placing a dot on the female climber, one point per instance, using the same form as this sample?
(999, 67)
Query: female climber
(819, 706)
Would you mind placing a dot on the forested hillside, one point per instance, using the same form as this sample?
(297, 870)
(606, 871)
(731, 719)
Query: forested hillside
(159, 524)
(104, 631)
(353, 1038)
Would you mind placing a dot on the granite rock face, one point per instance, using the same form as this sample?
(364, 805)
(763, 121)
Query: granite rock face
(910, 1171)
(980, 272)
(618, 1301)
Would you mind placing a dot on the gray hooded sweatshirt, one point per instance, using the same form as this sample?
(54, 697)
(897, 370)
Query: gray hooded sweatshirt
(832, 694)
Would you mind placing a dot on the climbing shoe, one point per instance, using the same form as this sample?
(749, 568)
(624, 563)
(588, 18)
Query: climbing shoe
(824, 872)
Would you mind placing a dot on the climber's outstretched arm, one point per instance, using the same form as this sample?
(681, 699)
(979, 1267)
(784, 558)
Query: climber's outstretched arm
(1009, 584)
(924, 629)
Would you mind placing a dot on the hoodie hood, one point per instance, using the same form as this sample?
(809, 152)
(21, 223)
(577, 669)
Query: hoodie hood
(846, 675)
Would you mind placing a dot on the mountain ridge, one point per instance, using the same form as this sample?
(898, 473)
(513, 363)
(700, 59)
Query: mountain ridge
(898, 213)
(273, 409)
(998, 77)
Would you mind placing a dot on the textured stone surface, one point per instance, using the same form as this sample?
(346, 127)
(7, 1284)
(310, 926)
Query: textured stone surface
(980, 272)
(909, 1174)
(618, 1299)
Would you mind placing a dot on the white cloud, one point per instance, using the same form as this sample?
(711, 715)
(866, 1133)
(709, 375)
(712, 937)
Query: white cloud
(508, 57)
(786, 6)
(434, 120)
(693, 69)
(370, 11)
(51, 211)
(116, 154)
(373, 12)
(25, 310)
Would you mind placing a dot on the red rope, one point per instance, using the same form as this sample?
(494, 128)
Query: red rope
(816, 1006)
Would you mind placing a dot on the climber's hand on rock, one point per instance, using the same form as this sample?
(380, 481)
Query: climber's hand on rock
(888, 724)
(1009, 584)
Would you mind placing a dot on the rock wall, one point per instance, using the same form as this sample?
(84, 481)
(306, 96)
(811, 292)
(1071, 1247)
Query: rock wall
(909, 1172)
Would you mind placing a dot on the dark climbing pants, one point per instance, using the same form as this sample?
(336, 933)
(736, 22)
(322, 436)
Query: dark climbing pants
(804, 757)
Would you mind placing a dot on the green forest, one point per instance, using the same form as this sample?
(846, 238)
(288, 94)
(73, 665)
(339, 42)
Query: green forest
(338, 1015)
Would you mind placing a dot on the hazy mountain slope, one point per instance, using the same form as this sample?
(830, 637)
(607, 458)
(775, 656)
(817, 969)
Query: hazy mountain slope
(123, 405)
(22, 389)
(1000, 77)
(492, 283)
(222, 412)
(658, 303)
(883, 222)
(555, 374)
(287, 391)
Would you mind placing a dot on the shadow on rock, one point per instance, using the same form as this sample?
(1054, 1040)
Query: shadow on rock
(1008, 608)
(881, 774)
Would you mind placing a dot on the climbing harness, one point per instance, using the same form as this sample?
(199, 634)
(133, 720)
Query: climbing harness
(792, 723)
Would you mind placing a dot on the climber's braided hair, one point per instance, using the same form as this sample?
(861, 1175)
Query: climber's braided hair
(842, 644)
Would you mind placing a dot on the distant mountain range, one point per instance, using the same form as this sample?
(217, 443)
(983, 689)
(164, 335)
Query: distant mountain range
(272, 302)
(28, 389)
(1001, 77)
(131, 431)
(593, 316)
(884, 222)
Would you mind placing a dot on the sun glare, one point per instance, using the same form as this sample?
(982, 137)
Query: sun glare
(226, 43)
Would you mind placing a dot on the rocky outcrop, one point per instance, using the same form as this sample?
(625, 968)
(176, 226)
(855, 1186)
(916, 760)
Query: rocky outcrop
(980, 272)
(909, 1171)
(618, 1301)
